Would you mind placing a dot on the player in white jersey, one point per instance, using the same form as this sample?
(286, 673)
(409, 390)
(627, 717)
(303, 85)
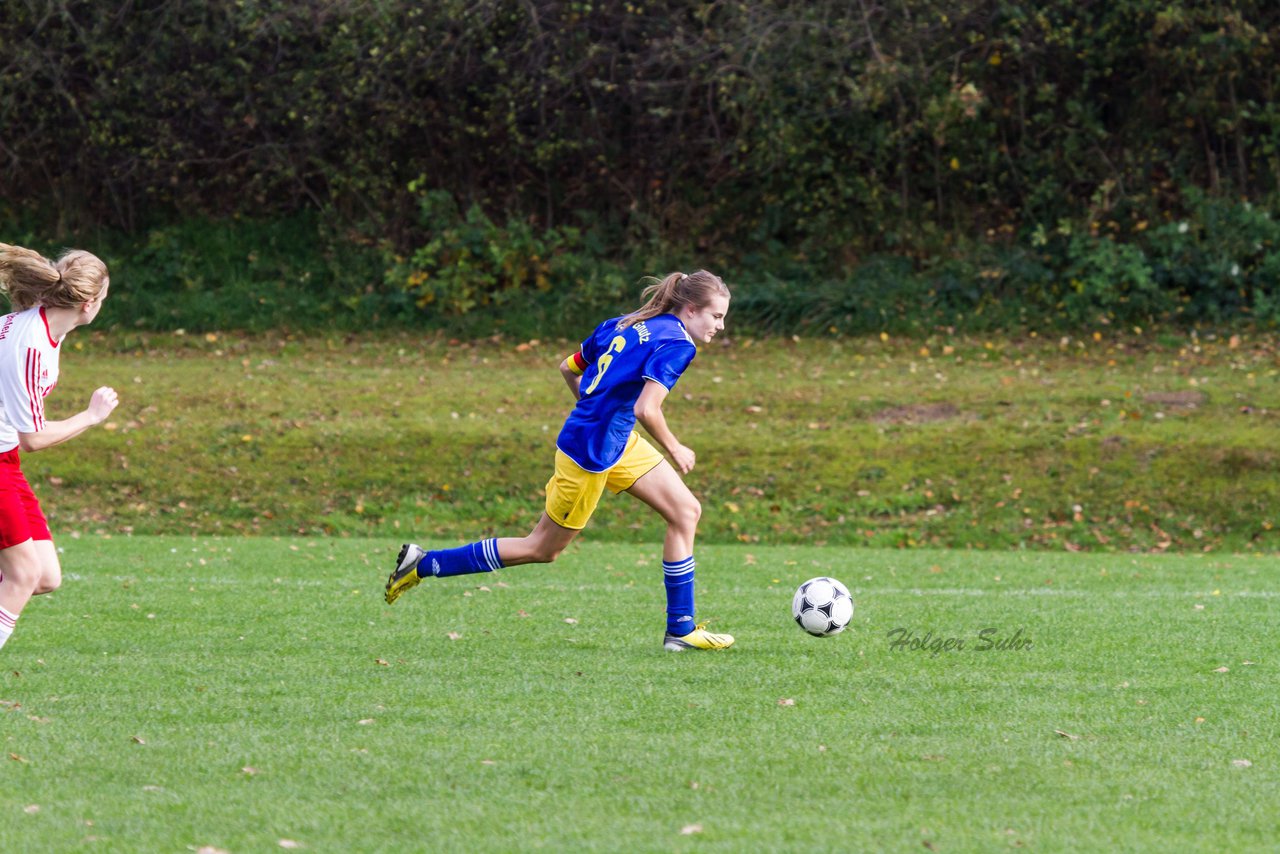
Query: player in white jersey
(49, 299)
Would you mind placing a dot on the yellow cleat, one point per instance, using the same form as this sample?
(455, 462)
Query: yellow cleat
(699, 638)
(405, 575)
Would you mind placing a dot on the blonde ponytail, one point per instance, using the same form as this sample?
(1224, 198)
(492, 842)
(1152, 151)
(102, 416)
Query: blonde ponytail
(669, 295)
(30, 279)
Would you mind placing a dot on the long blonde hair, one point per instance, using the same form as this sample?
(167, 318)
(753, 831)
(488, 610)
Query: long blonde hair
(669, 295)
(30, 279)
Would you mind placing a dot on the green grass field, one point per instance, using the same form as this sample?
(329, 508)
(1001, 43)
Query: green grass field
(244, 695)
(1108, 444)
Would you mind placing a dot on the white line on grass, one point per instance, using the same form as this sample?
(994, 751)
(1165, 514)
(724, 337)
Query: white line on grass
(1051, 591)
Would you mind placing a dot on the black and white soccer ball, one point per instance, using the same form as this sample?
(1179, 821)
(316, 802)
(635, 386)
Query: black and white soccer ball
(822, 606)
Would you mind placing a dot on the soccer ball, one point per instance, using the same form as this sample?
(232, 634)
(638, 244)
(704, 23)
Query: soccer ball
(822, 606)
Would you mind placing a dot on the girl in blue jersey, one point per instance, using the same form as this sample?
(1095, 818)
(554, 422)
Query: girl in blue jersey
(622, 375)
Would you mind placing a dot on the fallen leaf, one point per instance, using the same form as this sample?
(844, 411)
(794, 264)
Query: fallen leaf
(786, 701)
(382, 661)
(1222, 669)
(1067, 735)
(522, 613)
(137, 739)
(690, 829)
(16, 758)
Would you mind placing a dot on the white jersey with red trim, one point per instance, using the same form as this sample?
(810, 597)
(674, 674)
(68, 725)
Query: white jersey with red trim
(28, 372)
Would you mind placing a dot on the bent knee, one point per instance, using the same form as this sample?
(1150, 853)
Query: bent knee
(47, 584)
(687, 514)
(545, 554)
(25, 576)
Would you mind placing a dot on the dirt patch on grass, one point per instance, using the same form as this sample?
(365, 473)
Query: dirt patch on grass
(916, 413)
(1176, 399)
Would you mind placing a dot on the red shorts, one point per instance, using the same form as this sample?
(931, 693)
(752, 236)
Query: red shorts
(20, 516)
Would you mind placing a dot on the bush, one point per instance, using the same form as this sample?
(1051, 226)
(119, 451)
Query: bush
(1109, 281)
(470, 264)
(1221, 262)
(255, 275)
(468, 261)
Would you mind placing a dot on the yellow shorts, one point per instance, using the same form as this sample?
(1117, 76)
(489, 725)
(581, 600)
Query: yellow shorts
(573, 492)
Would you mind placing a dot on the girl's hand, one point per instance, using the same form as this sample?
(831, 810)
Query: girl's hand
(684, 458)
(102, 403)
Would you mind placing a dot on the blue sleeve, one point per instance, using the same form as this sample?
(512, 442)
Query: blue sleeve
(668, 362)
(590, 347)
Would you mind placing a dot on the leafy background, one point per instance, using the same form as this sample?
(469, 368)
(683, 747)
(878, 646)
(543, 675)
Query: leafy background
(850, 167)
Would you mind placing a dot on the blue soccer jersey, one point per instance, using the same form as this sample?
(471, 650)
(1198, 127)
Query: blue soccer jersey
(619, 361)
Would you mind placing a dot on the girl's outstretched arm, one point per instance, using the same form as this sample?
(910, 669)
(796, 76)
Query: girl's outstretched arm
(100, 406)
(648, 411)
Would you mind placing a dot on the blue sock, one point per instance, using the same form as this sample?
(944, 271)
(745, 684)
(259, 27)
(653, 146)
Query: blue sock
(464, 560)
(678, 578)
